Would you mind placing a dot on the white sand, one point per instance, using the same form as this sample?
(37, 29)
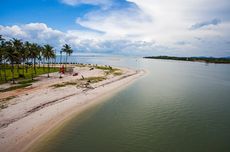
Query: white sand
(38, 109)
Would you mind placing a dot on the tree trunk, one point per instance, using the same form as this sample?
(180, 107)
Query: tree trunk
(27, 65)
(1, 70)
(66, 63)
(23, 68)
(48, 68)
(5, 71)
(35, 66)
(18, 69)
(43, 65)
(61, 59)
(12, 71)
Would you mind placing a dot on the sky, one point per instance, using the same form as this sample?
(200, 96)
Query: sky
(125, 27)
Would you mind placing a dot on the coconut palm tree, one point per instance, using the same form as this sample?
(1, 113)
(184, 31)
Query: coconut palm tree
(40, 51)
(48, 54)
(1, 59)
(17, 46)
(34, 52)
(25, 56)
(61, 57)
(3, 56)
(27, 48)
(68, 50)
(11, 56)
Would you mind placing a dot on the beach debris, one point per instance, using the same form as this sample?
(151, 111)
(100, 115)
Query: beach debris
(75, 74)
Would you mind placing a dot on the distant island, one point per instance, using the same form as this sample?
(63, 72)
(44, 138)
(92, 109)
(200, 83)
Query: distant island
(223, 60)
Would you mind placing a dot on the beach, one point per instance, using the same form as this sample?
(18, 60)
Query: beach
(48, 103)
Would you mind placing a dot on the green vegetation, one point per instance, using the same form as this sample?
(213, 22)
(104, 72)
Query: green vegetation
(117, 73)
(22, 60)
(64, 84)
(104, 67)
(27, 81)
(27, 75)
(16, 87)
(194, 59)
(109, 70)
(66, 49)
(3, 102)
(81, 82)
(94, 79)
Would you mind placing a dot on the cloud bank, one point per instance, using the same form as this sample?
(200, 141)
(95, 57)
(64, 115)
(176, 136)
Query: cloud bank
(142, 27)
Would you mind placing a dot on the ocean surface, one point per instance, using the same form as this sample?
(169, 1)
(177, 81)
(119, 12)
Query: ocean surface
(177, 107)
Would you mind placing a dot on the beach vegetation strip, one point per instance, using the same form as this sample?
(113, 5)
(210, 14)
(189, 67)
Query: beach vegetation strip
(82, 83)
(110, 70)
(193, 59)
(16, 87)
(4, 102)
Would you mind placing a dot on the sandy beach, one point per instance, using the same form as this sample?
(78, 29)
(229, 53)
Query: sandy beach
(36, 110)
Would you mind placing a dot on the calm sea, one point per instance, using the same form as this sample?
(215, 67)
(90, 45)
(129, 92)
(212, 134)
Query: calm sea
(178, 107)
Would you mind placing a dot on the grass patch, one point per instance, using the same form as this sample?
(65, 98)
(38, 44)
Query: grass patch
(3, 106)
(27, 81)
(109, 70)
(18, 72)
(104, 67)
(94, 79)
(3, 102)
(64, 84)
(80, 82)
(7, 99)
(117, 73)
(16, 87)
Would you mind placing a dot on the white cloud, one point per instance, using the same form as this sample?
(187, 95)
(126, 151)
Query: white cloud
(12, 30)
(206, 42)
(35, 32)
(142, 27)
(165, 22)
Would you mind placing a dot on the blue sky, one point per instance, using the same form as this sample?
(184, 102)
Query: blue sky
(52, 12)
(130, 27)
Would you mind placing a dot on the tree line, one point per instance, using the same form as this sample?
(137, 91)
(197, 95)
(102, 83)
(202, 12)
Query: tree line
(223, 60)
(15, 54)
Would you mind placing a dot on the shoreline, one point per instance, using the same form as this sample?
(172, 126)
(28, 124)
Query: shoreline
(207, 60)
(26, 132)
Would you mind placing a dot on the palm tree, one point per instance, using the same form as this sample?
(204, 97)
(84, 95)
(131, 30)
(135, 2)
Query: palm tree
(1, 59)
(34, 52)
(25, 56)
(3, 56)
(48, 53)
(27, 48)
(17, 46)
(11, 56)
(40, 51)
(68, 50)
(43, 58)
(61, 57)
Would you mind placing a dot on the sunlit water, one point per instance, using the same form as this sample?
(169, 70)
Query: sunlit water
(177, 107)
